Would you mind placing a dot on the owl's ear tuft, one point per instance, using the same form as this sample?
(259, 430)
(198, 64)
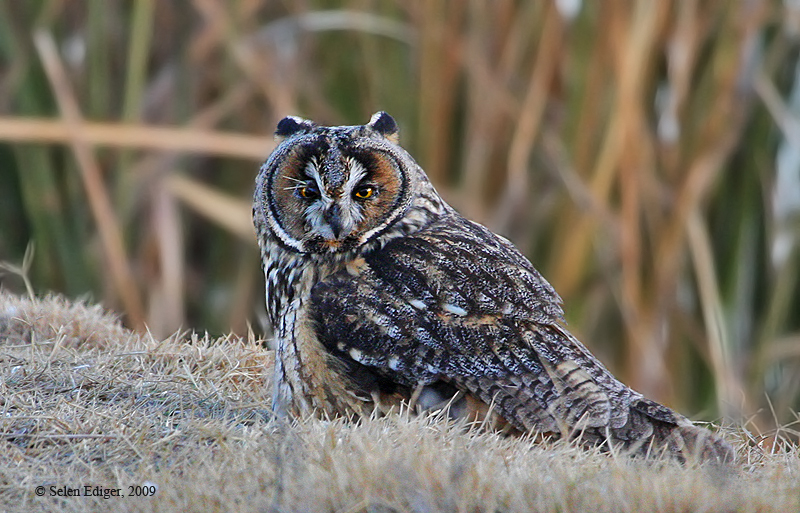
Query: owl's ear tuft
(385, 125)
(291, 125)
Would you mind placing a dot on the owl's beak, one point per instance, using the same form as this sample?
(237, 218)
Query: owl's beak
(333, 217)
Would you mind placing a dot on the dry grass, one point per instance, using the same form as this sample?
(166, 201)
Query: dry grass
(86, 402)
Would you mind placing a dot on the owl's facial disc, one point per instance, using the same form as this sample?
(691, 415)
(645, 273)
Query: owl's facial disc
(334, 193)
(332, 211)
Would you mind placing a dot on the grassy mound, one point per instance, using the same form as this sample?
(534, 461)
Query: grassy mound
(86, 402)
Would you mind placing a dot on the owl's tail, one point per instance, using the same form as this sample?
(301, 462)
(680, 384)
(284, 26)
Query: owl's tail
(653, 429)
(594, 405)
(624, 422)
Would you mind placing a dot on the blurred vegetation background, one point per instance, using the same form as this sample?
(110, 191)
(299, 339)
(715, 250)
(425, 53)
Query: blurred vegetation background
(645, 156)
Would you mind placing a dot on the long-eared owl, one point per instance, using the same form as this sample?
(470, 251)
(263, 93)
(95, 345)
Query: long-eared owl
(378, 291)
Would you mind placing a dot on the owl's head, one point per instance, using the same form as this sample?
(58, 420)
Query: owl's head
(333, 189)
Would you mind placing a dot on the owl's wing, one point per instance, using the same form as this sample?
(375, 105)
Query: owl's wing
(459, 304)
(456, 303)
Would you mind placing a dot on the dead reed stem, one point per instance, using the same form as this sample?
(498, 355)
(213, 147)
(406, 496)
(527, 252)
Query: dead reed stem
(104, 215)
(122, 135)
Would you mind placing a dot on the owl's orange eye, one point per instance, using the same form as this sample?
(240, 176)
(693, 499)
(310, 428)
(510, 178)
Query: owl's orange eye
(308, 192)
(364, 192)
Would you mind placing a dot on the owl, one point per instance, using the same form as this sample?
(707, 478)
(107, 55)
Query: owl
(379, 293)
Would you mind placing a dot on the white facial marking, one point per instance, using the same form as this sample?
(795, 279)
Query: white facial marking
(312, 171)
(282, 234)
(357, 173)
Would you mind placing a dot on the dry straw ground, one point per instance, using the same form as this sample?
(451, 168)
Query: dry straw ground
(86, 402)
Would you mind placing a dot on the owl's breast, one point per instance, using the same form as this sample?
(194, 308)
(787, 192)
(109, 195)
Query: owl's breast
(308, 379)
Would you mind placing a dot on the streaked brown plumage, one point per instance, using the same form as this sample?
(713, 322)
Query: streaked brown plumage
(379, 291)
